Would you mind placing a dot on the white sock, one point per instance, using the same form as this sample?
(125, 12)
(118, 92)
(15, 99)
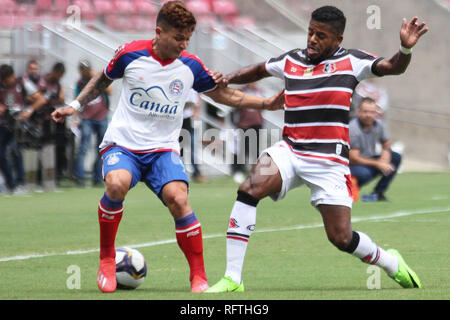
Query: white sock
(241, 226)
(369, 252)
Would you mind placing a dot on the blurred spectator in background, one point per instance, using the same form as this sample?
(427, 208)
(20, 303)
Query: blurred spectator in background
(56, 134)
(250, 121)
(94, 120)
(369, 88)
(14, 113)
(32, 75)
(191, 112)
(365, 163)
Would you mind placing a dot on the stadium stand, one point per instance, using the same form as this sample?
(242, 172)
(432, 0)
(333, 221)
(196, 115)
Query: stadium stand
(103, 7)
(145, 7)
(113, 13)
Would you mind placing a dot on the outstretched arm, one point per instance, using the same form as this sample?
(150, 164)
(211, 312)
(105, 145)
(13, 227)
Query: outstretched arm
(410, 34)
(242, 76)
(92, 90)
(238, 99)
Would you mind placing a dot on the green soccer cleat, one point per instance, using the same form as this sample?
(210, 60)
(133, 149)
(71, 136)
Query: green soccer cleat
(405, 276)
(226, 284)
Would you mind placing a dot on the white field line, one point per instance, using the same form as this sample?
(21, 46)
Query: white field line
(168, 241)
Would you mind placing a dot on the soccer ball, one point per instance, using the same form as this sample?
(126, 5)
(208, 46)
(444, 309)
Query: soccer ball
(131, 268)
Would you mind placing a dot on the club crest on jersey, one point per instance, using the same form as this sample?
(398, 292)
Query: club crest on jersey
(330, 68)
(176, 87)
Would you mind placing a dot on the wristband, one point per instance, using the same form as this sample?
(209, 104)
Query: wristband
(75, 104)
(404, 50)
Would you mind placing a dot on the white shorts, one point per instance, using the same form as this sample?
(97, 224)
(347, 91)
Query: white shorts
(329, 182)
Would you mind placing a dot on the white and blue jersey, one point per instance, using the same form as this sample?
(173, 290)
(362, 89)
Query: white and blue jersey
(149, 114)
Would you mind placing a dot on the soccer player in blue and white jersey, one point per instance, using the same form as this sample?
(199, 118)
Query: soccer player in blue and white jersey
(141, 142)
(319, 82)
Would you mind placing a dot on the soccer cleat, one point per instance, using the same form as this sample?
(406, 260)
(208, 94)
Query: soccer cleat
(405, 276)
(198, 284)
(226, 284)
(106, 278)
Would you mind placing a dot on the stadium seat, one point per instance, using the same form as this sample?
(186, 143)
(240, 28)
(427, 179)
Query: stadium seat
(124, 6)
(198, 7)
(43, 5)
(241, 21)
(26, 10)
(207, 20)
(103, 7)
(143, 23)
(225, 8)
(144, 6)
(87, 11)
(61, 5)
(164, 1)
(120, 22)
(8, 6)
(6, 21)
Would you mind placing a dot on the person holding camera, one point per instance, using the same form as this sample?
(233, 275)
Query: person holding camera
(13, 111)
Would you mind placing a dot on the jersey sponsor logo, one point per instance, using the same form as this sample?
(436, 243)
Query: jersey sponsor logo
(155, 102)
(308, 72)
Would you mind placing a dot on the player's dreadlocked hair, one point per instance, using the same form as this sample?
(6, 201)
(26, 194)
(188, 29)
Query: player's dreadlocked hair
(331, 16)
(176, 15)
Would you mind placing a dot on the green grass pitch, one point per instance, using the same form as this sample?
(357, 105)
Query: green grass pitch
(288, 257)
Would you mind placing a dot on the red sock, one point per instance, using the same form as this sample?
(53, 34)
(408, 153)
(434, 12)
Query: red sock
(109, 219)
(189, 238)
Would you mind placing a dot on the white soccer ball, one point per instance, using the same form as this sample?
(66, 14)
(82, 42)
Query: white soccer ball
(131, 268)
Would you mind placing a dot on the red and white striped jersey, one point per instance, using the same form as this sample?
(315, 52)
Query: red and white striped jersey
(318, 98)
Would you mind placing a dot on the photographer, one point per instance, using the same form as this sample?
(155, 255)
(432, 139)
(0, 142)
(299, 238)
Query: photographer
(54, 134)
(14, 112)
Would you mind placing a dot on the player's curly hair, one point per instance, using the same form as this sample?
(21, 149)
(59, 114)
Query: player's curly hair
(176, 15)
(331, 16)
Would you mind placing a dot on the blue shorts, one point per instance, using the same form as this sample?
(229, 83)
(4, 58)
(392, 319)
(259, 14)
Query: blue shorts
(156, 169)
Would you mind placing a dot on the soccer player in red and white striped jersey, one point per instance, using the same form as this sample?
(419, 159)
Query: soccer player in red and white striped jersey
(319, 83)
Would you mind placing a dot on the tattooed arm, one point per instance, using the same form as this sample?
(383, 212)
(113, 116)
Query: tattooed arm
(92, 90)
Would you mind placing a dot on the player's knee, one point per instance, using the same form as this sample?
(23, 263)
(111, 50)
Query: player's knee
(340, 240)
(176, 200)
(116, 187)
(251, 189)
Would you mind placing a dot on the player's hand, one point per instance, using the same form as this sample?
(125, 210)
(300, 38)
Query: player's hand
(220, 79)
(60, 114)
(276, 102)
(411, 32)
